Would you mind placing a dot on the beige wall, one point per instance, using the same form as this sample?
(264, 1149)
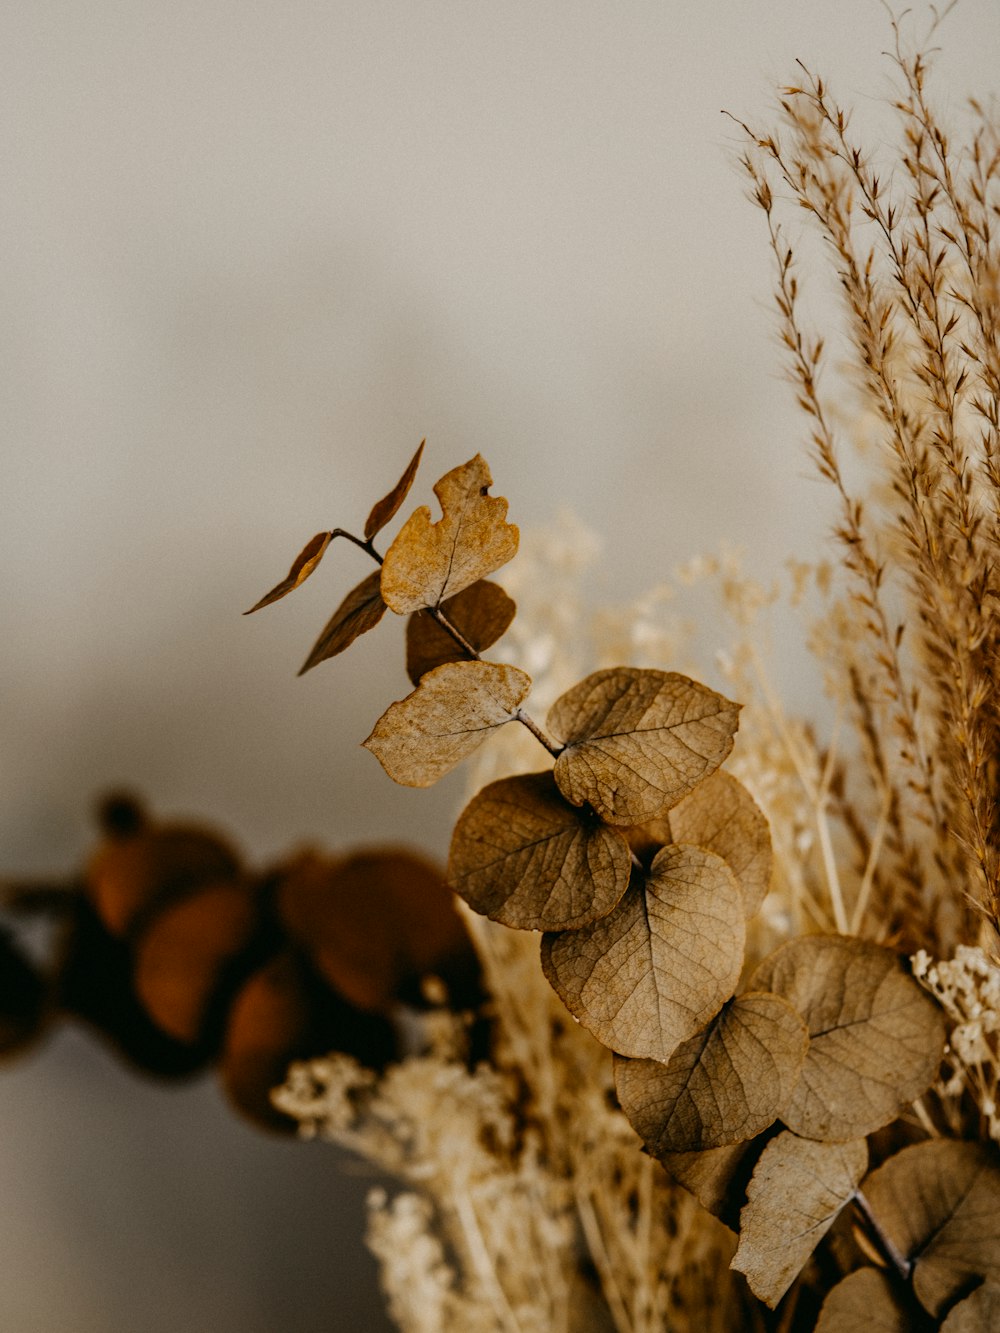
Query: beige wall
(251, 254)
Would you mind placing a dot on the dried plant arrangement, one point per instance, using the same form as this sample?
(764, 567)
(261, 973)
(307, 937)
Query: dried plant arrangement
(699, 1027)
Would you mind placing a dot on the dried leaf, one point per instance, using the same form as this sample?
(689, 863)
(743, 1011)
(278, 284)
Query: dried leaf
(661, 965)
(978, 1313)
(431, 561)
(722, 1086)
(182, 956)
(721, 815)
(939, 1204)
(375, 924)
(865, 1300)
(523, 855)
(304, 564)
(387, 508)
(876, 1036)
(481, 613)
(795, 1194)
(638, 741)
(717, 1177)
(445, 719)
(360, 611)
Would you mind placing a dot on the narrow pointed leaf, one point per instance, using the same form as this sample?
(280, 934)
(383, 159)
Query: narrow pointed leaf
(431, 561)
(637, 742)
(522, 855)
(360, 611)
(795, 1195)
(720, 814)
(304, 564)
(877, 1037)
(722, 1086)
(865, 1300)
(447, 717)
(481, 613)
(654, 971)
(387, 508)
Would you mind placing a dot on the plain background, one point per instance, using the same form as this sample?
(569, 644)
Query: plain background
(251, 254)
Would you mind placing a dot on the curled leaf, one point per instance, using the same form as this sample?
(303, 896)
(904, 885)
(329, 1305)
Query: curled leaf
(481, 613)
(522, 855)
(360, 611)
(431, 561)
(795, 1194)
(386, 509)
(865, 1300)
(303, 565)
(720, 814)
(637, 742)
(722, 1086)
(978, 1313)
(876, 1037)
(939, 1204)
(654, 971)
(445, 719)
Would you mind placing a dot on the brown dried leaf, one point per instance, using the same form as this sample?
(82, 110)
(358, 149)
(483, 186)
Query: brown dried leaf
(360, 611)
(481, 613)
(638, 741)
(386, 509)
(523, 855)
(724, 1085)
(978, 1313)
(304, 564)
(431, 561)
(876, 1036)
(445, 719)
(654, 971)
(939, 1204)
(716, 1177)
(865, 1300)
(721, 815)
(794, 1196)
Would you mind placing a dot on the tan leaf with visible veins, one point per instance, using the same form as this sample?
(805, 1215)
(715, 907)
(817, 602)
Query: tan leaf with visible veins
(523, 855)
(794, 1196)
(722, 1086)
(386, 509)
(447, 717)
(720, 814)
(939, 1204)
(637, 742)
(654, 971)
(480, 613)
(304, 564)
(864, 1300)
(978, 1313)
(431, 561)
(360, 611)
(877, 1037)
(717, 1177)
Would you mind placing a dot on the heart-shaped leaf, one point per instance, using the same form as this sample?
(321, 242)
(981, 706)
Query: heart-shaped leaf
(654, 971)
(303, 565)
(876, 1037)
(721, 815)
(637, 742)
(524, 856)
(431, 561)
(360, 611)
(481, 613)
(445, 719)
(385, 510)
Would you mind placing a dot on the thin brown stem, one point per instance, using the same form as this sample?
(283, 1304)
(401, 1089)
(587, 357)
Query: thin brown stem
(900, 1264)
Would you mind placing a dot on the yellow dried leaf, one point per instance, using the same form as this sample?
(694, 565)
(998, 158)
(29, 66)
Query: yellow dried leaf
(654, 971)
(864, 1300)
(978, 1313)
(939, 1204)
(524, 856)
(431, 561)
(447, 717)
(481, 613)
(722, 1086)
(304, 564)
(795, 1195)
(637, 742)
(876, 1036)
(360, 611)
(386, 509)
(716, 1177)
(720, 814)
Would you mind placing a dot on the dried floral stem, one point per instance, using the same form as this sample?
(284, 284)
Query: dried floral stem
(899, 1262)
